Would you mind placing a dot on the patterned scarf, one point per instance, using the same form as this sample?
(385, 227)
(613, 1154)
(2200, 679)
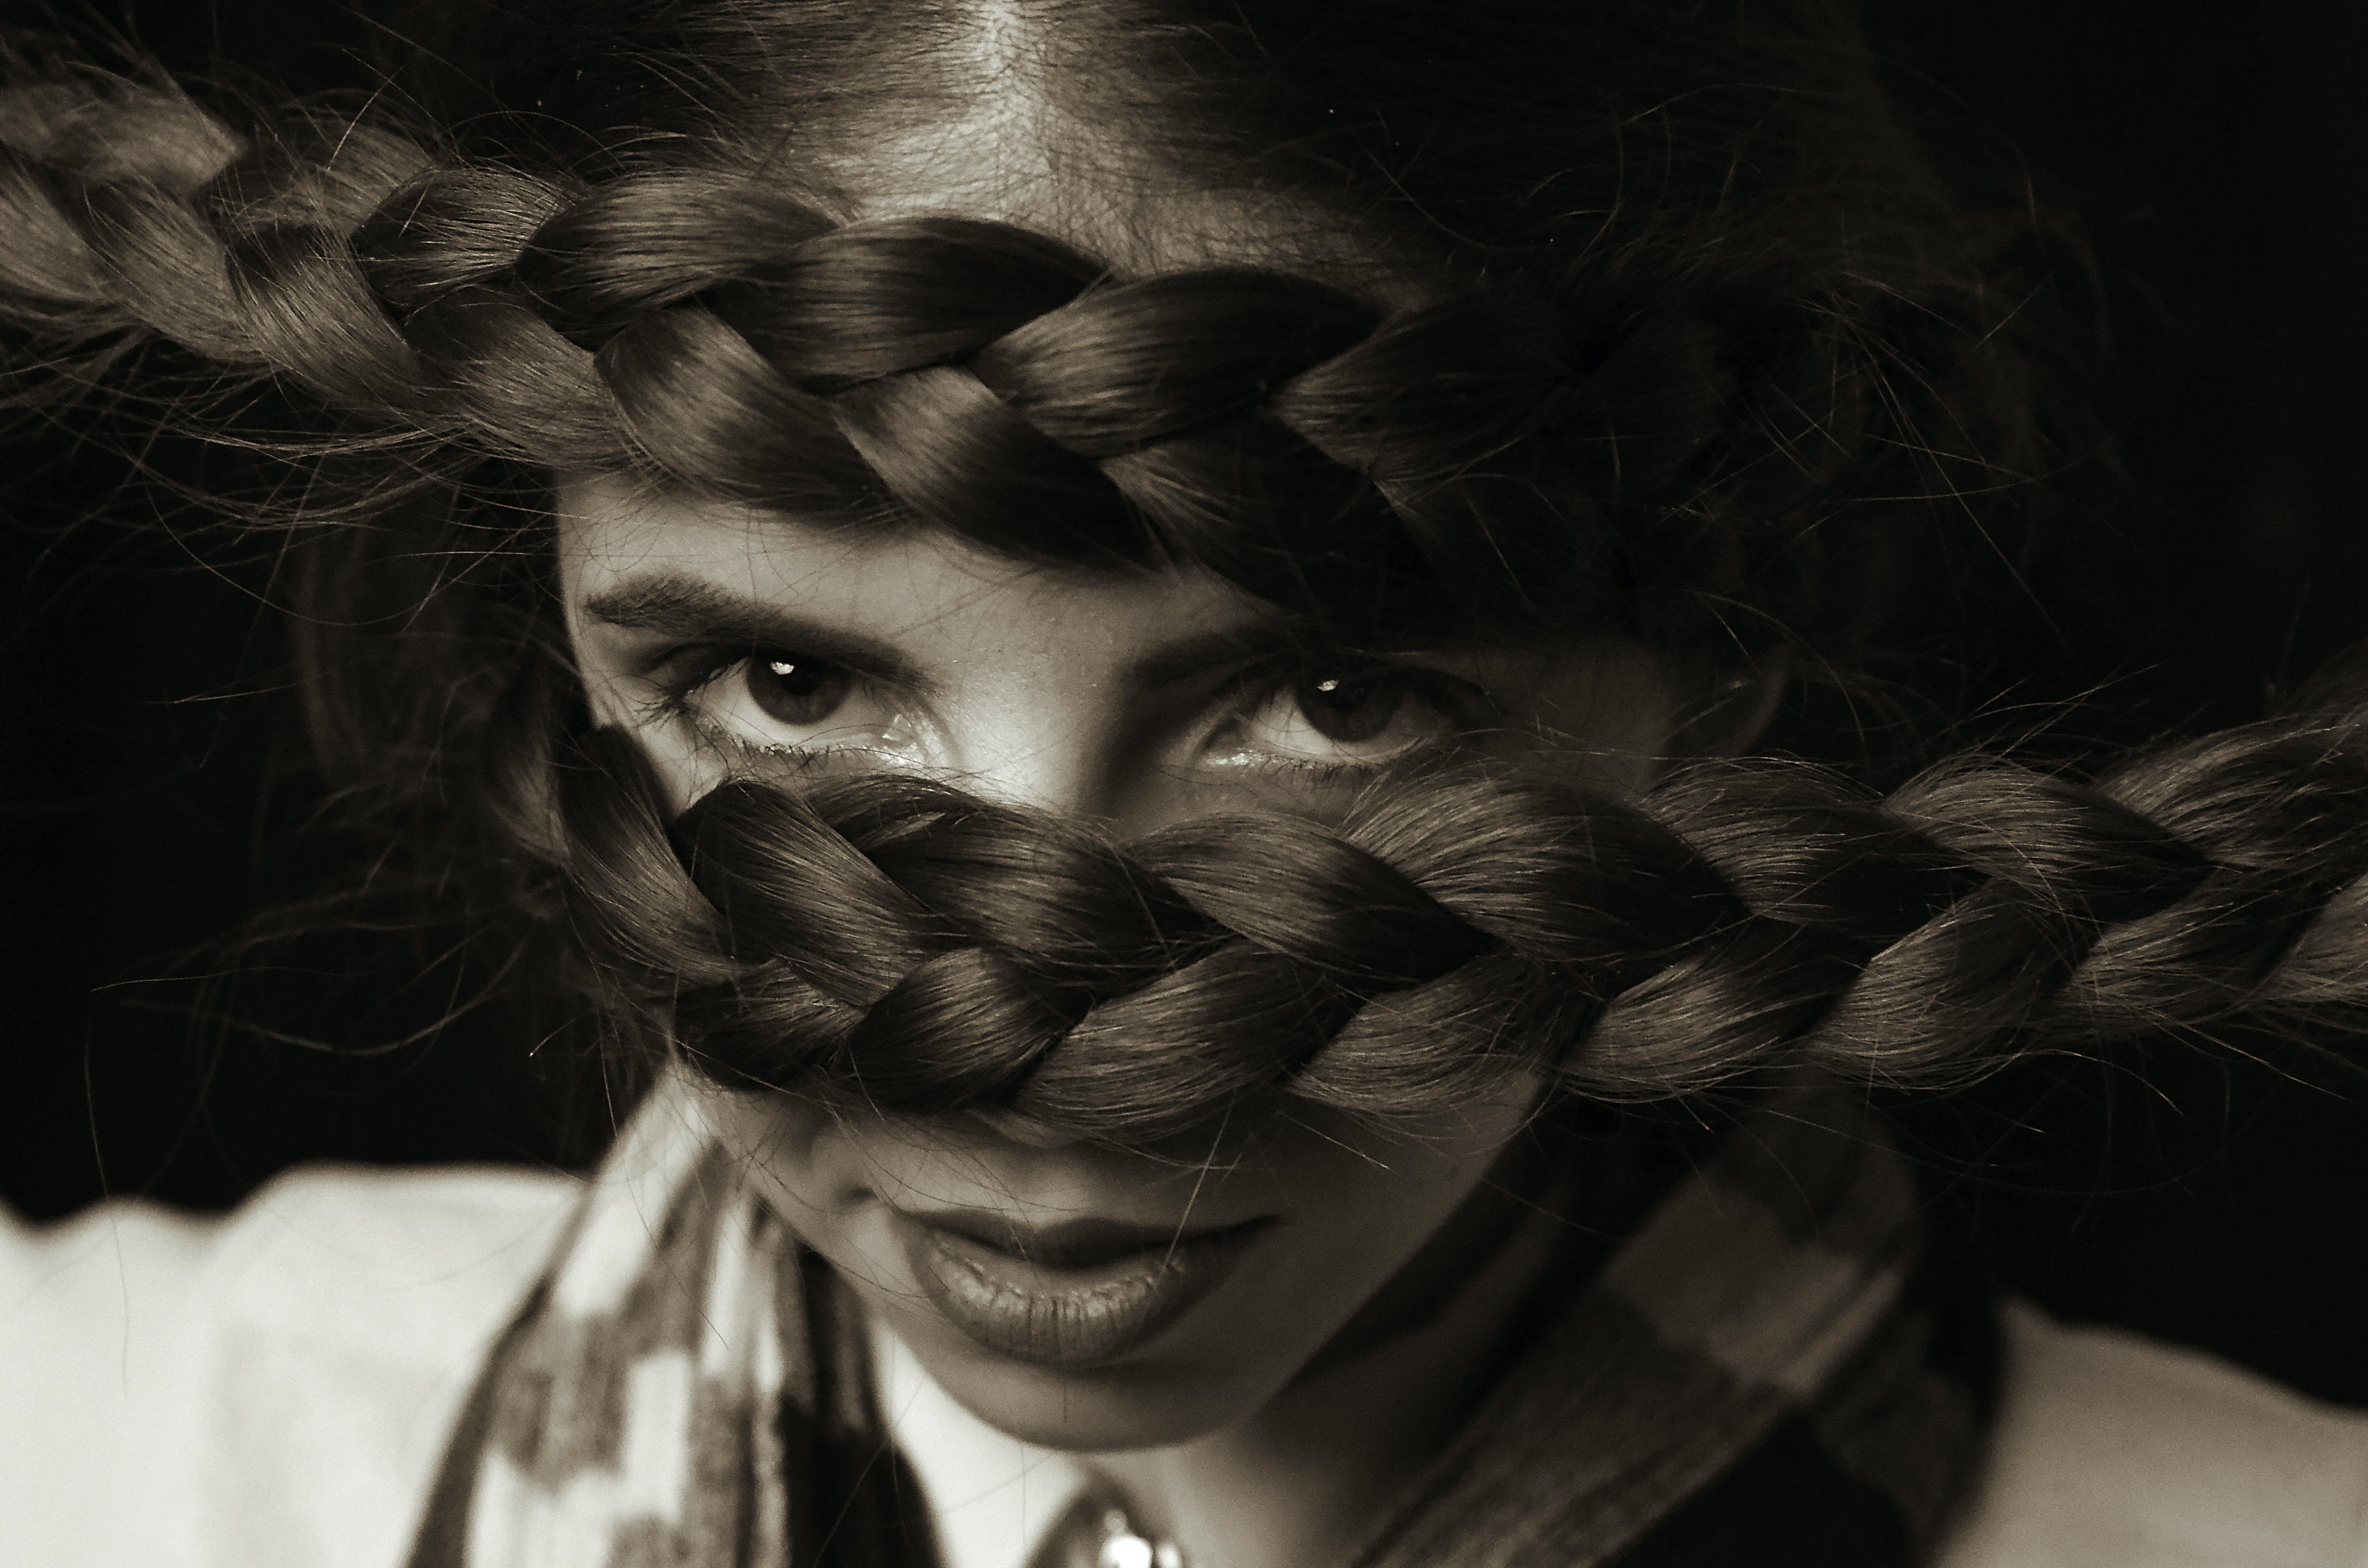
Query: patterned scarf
(1772, 1370)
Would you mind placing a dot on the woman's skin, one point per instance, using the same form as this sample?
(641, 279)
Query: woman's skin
(729, 641)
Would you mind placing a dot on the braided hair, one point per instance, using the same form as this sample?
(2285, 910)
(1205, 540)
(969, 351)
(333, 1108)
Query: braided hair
(900, 943)
(1772, 396)
(1734, 407)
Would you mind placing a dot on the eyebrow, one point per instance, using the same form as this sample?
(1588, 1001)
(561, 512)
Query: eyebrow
(693, 610)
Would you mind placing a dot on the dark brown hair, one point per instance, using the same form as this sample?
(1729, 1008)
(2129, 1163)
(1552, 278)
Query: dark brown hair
(1701, 350)
(898, 943)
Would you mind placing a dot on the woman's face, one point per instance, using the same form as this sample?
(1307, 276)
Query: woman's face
(1074, 1296)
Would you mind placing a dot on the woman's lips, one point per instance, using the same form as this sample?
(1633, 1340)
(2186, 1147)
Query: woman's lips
(1071, 1296)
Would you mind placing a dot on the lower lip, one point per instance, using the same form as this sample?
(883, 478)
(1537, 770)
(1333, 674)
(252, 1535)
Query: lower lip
(1068, 1319)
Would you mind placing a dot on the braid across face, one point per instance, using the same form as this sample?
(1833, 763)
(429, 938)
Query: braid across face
(898, 942)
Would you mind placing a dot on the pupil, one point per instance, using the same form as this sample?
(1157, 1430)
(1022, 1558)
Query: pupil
(1345, 709)
(791, 688)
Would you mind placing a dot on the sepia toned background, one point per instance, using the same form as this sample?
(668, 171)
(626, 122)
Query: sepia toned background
(150, 799)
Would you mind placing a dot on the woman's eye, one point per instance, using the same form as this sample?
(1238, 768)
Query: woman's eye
(791, 688)
(1349, 710)
(1349, 717)
(784, 702)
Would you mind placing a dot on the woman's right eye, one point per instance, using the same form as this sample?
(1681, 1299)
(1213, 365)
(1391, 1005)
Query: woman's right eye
(796, 689)
(784, 703)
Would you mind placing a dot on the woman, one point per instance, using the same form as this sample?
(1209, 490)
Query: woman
(1102, 636)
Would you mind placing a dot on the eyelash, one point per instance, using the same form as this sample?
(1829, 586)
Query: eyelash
(1459, 701)
(680, 673)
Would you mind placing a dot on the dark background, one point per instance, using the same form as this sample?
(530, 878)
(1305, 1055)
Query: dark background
(2219, 156)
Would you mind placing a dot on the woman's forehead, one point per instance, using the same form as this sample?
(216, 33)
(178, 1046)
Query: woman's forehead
(702, 569)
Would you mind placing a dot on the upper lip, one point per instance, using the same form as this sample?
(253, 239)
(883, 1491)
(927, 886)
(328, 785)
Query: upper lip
(1073, 1295)
(1080, 1243)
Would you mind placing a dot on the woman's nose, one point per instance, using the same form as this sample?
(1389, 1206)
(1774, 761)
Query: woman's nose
(1061, 776)
(1048, 745)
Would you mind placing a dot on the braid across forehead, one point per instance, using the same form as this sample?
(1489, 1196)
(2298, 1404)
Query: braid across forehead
(1761, 399)
(985, 379)
(712, 332)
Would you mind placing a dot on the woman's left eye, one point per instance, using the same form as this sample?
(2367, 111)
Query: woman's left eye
(1344, 716)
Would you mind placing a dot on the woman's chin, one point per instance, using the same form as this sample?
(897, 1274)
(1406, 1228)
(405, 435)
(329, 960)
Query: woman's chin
(1153, 1405)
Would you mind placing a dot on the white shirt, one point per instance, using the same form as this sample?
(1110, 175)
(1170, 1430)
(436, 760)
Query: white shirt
(275, 1387)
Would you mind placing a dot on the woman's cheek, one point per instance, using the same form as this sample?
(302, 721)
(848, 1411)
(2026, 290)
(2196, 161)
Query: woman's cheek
(801, 1157)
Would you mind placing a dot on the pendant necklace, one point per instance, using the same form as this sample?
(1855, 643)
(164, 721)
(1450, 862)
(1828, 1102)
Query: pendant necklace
(1123, 1546)
(1096, 1531)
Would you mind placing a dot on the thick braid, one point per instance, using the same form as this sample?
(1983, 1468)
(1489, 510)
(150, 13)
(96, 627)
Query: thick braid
(705, 328)
(899, 941)
(144, 215)
(998, 384)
